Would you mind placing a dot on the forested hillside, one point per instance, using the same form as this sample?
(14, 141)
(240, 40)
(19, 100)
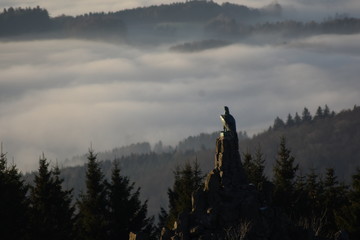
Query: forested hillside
(190, 26)
(317, 141)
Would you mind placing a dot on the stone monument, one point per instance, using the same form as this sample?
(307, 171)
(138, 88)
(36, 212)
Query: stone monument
(220, 203)
(227, 207)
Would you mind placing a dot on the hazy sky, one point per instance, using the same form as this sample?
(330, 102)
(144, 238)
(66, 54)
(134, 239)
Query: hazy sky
(58, 96)
(314, 9)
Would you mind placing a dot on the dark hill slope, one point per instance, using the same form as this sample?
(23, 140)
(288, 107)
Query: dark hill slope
(318, 144)
(191, 11)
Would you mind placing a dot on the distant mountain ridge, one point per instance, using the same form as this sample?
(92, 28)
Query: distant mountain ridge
(195, 11)
(189, 26)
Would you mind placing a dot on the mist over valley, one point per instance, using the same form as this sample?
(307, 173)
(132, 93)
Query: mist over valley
(128, 76)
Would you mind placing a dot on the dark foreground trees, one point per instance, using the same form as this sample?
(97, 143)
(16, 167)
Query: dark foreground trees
(284, 177)
(110, 210)
(349, 216)
(45, 210)
(92, 223)
(319, 203)
(188, 178)
(52, 213)
(14, 205)
(126, 212)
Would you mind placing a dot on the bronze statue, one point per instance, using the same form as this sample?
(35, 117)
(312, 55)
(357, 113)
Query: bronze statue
(228, 123)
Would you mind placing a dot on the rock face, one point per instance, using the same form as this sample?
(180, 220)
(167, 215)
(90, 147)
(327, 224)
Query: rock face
(227, 207)
(225, 204)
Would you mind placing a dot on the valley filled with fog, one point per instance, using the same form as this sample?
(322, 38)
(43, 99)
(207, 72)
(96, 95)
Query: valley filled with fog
(58, 96)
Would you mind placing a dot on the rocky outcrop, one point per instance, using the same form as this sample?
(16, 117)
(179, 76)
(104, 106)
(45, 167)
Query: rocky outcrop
(227, 207)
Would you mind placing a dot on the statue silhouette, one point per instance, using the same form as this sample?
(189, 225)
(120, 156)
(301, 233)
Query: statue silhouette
(229, 123)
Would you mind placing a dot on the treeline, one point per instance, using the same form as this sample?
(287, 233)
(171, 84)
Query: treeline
(306, 117)
(191, 11)
(290, 28)
(24, 20)
(20, 21)
(226, 21)
(319, 203)
(319, 140)
(285, 28)
(15, 21)
(105, 209)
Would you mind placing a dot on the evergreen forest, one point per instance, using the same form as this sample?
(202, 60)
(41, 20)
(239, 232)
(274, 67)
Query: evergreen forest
(99, 200)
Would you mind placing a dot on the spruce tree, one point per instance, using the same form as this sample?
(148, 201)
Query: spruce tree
(319, 114)
(309, 212)
(92, 219)
(348, 217)
(162, 220)
(278, 123)
(14, 204)
(314, 191)
(187, 179)
(254, 168)
(259, 162)
(248, 165)
(51, 209)
(290, 121)
(300, 196)
(334, 200)
(126, 212)
(297, 119)
(284, 177)
(327, 113)
(306, 116)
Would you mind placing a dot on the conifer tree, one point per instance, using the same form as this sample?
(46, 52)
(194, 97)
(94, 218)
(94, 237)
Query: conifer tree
(314, 191)
(187, 179)
(309, 211)
(300, 202)
(319, 114)
(290, 121)
(297, 119)
(92, 222)
(51, 209)
(334, 200)
(326, 112)
(306, 116)
(348, 217)
(126, 212)
(259, 161)
(248, 164)
(278, 123)
(14, 204)
(254, 168)
(162, 220)
(284, 177)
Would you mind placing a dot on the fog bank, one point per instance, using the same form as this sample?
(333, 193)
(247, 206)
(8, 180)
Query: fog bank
(58, 96)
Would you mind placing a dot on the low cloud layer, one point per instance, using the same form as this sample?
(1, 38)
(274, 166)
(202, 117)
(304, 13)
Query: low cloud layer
(58, 96)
